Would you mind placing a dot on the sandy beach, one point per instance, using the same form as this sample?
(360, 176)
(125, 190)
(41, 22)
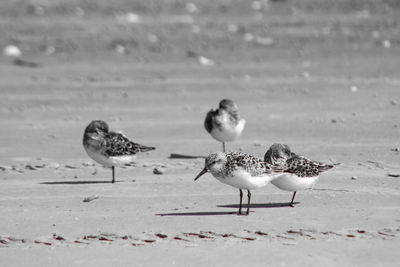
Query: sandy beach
(332, 97)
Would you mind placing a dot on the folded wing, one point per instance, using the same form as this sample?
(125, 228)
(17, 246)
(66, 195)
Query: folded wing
(304, 167)
(118, 144)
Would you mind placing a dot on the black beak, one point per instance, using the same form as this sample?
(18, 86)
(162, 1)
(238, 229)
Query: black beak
(201, 173)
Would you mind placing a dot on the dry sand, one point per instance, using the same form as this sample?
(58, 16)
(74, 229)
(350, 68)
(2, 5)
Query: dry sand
(351, 218)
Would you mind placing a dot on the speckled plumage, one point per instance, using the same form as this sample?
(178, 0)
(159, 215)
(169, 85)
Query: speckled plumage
(109, 148)
(240, 170)
(304, 167)
(249, 163)
(299, 172)
(281, 156)
(117, 144)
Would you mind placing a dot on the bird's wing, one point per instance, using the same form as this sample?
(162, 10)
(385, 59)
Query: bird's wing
(208, 122)
(304, 167)
(118, 144)
(251, 164)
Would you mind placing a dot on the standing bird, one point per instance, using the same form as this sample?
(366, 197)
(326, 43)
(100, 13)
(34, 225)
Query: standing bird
(110, 148)
(239, 170)
(300, 172)
(224, 123)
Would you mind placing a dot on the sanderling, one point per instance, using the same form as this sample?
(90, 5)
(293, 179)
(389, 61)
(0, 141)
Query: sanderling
(239, 170)
(299, 172)
(224, 123)
(109, 148)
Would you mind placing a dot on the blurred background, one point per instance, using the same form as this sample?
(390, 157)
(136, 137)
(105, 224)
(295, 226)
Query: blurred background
(174, 29)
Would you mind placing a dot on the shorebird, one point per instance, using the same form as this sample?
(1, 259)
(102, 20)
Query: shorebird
(241, 171)
(224, 123)
(110, 148)
(299, 172)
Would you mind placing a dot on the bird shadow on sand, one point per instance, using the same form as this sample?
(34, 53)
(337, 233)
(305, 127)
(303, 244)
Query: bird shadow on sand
(78, 182)
(260, 205)
(201, 213)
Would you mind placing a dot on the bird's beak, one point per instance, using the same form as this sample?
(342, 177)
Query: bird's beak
(201, 173)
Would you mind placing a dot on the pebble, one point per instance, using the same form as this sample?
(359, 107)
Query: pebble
(354, 177)
(3, 168)
(396, 149)
(393, 102)
(30, 167)
(205, 61)
(90, 198)
(12, 51)
(396, 175)
(158, 171)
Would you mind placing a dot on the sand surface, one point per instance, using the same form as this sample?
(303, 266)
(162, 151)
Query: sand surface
(338, 104)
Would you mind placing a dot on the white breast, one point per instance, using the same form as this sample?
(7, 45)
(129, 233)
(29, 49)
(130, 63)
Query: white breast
(293, 183)
(228, 132)
(243, 180)
(109, 161)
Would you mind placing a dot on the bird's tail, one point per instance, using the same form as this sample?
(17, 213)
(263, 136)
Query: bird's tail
(324, 167)
(143, 148)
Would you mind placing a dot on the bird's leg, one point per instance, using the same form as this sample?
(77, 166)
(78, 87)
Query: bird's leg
(223, 147)
(113, 174)
(240, 203)
(248, 202)
(291, 202)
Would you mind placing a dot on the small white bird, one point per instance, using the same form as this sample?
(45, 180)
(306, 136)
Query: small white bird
(299, 172)
(109, 148)
(224, 123)
(239, 170)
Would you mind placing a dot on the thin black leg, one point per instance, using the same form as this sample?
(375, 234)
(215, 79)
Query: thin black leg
(223, 147)
(240, 203)
(248, 201)
(113, 174)
(291, 202)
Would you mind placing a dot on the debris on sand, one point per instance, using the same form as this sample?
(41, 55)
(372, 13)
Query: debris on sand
(25, 63)
(71, 166)
(393, 102)
(158, 171)
(128, 18)
(30, 167)
(396, 149)
(12, 51)
(90, 198)
(5, 168)
(354, 89)
(201, 59)
(396, 175)
(191, 54)
(354, 177)
(205, 61)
